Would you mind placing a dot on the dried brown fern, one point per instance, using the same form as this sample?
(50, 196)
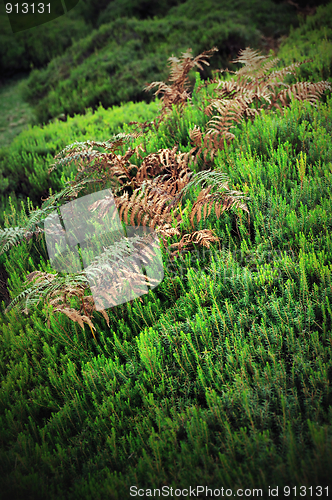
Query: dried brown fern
(160, 179)
(230, 111)
(148, 195)
(157, 202)
(252, 62)
(166, 161)
(109, 279)
(108, 168)
(206, 200)
(144, 209)
(178, 93)
(253, 88)
(203, 237)
(301, 91)
(58, 291)
(163, 179)
(60, 305)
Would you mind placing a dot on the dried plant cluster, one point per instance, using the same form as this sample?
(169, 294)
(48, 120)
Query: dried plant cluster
(253, 88)
(178, 92)
(151, 191)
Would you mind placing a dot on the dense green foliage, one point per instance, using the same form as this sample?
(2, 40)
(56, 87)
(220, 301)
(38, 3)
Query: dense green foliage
(113, 63)
(36, 47)
(15, 113)
(140, 9)
(312, 40)
(221, 375)
(22, 51)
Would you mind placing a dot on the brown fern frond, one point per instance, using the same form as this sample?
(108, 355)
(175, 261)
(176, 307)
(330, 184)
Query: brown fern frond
(38, 276)
(112, 289)
(143, 208)
(168, 231)
(229, 89)
(162, 88)
(177, 93)
(57, 292)
(266, 66)
(255, 87)
(112, 166)
(160, 180)
(168, 163)
(74, 315)
(209, 109)
(275, 78)
(103, 207)
(218, 128)
(82, 151)
(195, 136)
(181, 67)
(152, 165)
(221, 201)
(301, 91)
(251, 59)
(203, 237)
(113, 281)
(230, 111)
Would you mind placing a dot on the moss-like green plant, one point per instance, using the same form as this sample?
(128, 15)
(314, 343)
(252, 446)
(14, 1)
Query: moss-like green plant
(301, 166)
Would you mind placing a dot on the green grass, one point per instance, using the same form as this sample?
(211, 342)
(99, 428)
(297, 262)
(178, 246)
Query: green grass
(15, 113)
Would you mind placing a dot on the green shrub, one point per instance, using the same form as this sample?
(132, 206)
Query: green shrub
(140, 9)
(35, 47)
(312, 40)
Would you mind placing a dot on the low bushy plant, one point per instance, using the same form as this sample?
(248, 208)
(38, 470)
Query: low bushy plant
(34, 48)
(312, 40)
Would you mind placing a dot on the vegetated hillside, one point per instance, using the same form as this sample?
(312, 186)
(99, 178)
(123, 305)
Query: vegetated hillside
(112, 64)
(220, 375)
(23, 165)
(20, 52)
(15, 114)
(35, 47)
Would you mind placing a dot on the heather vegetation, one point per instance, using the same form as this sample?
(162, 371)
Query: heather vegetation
(220, 375)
